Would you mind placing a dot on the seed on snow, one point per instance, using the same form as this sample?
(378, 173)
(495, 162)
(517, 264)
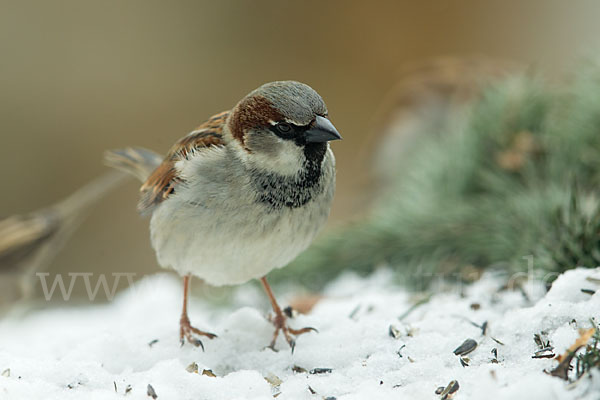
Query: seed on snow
(466, 347)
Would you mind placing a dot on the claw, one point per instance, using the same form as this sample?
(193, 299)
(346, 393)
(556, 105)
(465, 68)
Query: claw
(186, 332)
(280, 319)
(198, 342)
(281, 326)
(303, 330)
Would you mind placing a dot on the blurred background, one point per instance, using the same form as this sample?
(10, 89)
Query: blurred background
(77, 78)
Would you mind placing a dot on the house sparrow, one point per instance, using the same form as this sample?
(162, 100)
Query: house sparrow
(29, 243)
(242, 194)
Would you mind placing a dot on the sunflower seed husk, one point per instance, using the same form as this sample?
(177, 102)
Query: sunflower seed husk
(299, 370)
(208, 372)
(320, 371)
(394, 332)
(192, 368)
(466, 347)
(273, 380)
(151, 392)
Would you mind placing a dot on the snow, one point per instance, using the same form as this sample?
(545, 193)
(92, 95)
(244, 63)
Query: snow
(86, 352)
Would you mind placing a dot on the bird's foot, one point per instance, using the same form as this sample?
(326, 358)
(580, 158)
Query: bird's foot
(280, 323)
(187, 331)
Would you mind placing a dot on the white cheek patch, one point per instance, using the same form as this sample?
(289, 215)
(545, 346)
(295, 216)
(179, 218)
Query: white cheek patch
(287, 160)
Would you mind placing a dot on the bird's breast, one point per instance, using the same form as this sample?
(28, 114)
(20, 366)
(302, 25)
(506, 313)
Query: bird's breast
(229, 234)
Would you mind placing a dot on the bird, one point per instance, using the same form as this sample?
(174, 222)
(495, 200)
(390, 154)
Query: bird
(29, 242)
(242, 194)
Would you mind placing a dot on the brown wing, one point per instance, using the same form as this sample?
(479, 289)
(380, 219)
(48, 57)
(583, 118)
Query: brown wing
(161, 183)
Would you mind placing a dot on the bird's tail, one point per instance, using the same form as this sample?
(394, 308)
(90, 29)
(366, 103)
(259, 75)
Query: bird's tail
(135, 161)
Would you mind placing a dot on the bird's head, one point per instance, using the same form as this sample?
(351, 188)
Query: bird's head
(280, 126)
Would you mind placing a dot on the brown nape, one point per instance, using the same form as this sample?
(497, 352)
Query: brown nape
(250, 113)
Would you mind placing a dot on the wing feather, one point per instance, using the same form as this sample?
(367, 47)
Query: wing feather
(163, 180)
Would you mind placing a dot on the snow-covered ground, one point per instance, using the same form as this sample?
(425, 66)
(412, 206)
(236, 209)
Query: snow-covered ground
(103, 352)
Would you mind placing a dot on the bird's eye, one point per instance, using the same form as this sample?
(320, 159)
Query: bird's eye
(284, 127)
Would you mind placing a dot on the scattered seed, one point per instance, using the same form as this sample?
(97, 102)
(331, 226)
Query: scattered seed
(151, 392)
(399, 352)
(475, 306)
(153, 342)
(208, 372)
(6, 373)
(394, 332)
(454, 386)
(329, 398)
(299, 370)
(192, 368)
(273, 380)
(495, 354)
(546, 355)
(410, 359)
(354, 312)
(311, 390)
(541, 339)
(592, 279)
(450, 390)
(497, 341)
(484, 328)
(447, 391)
(475, 324)
(466, 347)
(588, 291)
(128, 389)
(115, 383)
(320, 371)
(464, 361)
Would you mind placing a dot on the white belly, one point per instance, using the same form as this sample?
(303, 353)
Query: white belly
(232, 248)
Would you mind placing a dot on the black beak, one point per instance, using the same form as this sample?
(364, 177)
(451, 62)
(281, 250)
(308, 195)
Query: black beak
(322, 130)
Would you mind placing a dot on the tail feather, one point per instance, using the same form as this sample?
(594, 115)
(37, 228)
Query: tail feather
(136, 161)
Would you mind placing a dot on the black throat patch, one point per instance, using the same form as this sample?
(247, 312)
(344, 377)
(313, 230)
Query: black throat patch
(293, 192)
